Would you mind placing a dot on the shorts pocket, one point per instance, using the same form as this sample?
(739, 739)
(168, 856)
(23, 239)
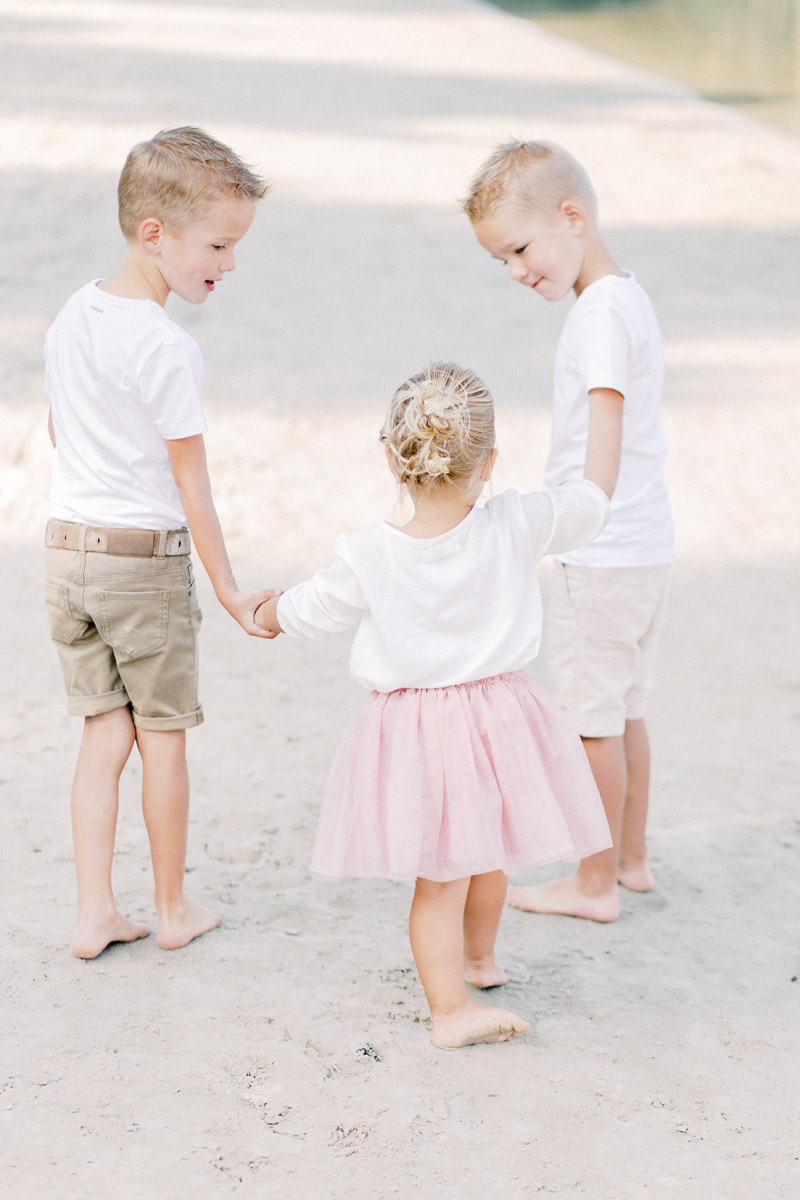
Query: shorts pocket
(63, 625)
(574, 585)
(134, 624)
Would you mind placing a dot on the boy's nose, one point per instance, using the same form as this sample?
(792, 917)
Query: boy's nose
(518, 271)
(229, 263)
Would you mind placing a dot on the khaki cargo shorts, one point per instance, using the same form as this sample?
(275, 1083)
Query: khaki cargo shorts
(605, 624)
(126, 633)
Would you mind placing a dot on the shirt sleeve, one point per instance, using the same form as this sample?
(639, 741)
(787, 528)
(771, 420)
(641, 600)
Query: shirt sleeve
(604, 349)
(572, 514)
(171, 389)
(331, 601)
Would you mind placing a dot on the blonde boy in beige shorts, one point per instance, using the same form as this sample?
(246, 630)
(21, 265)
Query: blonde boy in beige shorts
(129, 476)
(533, 207)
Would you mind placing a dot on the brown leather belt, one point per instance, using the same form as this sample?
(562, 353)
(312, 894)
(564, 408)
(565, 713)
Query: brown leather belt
(126, 543)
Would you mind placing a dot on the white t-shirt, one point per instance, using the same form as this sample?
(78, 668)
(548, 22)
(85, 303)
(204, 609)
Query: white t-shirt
(611, 339)
(123, 379)
(437, 611)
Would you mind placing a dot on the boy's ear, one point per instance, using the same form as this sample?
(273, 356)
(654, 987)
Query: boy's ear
(575, 215)
(150, 233)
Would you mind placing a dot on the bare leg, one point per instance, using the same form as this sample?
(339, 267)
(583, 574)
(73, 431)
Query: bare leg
(634, 871)
(592, 891)
(482, 912)
(165, 804)
(436, 928)
(105, 748)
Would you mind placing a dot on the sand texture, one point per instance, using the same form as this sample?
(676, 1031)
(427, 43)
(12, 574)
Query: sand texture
(287, 1054)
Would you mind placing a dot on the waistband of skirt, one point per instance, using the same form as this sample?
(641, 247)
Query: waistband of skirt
(504, 677)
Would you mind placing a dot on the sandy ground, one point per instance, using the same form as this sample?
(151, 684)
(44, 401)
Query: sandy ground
(287, 1054)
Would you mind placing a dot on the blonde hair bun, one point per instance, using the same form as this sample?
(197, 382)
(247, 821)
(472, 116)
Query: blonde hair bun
(440, 426)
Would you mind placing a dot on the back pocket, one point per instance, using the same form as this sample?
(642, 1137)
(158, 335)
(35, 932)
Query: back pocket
(133, 624)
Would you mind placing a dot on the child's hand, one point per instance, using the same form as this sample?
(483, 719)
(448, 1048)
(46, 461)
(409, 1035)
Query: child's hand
(243, 607)
(266, 614)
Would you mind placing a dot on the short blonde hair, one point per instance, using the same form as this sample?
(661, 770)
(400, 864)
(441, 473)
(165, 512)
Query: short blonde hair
(177, 175)
(534, 175)
(439, 429)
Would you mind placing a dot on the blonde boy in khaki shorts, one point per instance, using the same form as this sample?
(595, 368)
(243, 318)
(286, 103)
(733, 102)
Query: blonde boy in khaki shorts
(533, 207)
(129, 476)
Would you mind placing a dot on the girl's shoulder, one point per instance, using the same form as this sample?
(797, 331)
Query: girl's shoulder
(361, 542)
(515, 506)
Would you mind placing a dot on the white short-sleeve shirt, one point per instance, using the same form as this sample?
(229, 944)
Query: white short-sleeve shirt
(432, 612)
(611, 339)
(122, 379)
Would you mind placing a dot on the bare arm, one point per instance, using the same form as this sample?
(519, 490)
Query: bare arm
(604, 446)
(187, 457)
(51, 431)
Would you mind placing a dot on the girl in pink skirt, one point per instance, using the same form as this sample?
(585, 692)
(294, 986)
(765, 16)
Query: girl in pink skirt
(458, 769)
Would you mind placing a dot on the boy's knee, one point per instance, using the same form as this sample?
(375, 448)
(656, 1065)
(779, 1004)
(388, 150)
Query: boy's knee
(114, 730)
(162, 745)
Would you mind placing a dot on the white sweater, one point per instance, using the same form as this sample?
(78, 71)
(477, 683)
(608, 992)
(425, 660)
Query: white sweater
(438, 611)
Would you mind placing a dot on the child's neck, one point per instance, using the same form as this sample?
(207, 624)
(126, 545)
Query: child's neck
(597, 262)
(133, 281)
(437, 512)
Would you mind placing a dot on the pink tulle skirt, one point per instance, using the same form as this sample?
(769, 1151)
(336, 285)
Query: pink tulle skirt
(449, 782)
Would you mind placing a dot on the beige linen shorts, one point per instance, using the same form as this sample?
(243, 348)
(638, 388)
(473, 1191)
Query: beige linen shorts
(604, 629)
(126, 633)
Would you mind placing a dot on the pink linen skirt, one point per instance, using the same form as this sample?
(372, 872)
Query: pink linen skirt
(449, 782)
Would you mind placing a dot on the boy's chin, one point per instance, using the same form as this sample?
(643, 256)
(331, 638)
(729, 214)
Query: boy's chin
(552, 294)
(192, 295)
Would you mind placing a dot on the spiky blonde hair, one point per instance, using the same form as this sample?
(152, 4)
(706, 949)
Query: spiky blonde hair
(533, 175)
(177, 175)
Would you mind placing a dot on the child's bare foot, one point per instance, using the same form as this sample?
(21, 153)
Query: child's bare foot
(92, 937)
(567, 898)
(476, 1023)
(185, 921)
(484, 974)
(637, 877)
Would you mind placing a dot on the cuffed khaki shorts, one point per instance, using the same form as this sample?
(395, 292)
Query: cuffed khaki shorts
(604, 630)
(126, 633)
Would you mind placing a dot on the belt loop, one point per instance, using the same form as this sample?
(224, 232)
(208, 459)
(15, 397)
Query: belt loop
(161, 545)
(82, 532)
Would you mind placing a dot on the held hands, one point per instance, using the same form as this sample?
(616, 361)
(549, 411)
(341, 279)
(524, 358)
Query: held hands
(266, 614)
(243, 608)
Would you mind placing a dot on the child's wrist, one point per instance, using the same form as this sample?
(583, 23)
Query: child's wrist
(261, 603)
(228, 594)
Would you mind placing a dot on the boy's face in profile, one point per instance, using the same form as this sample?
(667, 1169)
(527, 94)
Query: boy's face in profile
(542, 252)
(193, 261)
